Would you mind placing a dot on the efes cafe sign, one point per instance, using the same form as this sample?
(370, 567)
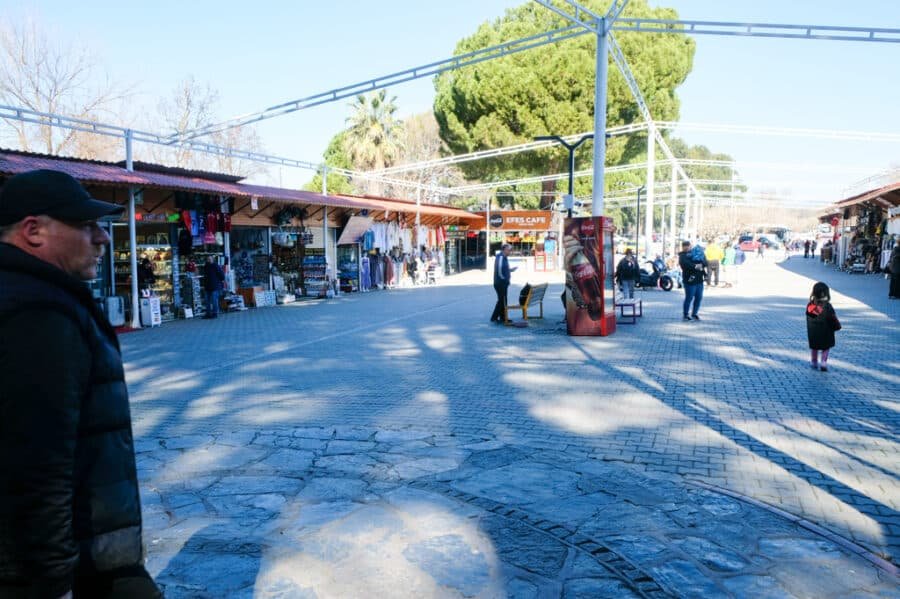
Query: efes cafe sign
(520, 220)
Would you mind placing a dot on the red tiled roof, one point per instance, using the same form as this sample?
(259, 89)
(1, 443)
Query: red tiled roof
(99, 173)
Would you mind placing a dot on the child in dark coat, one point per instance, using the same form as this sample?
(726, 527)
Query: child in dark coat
(821, 323)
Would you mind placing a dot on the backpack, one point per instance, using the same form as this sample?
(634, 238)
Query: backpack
(523, 295)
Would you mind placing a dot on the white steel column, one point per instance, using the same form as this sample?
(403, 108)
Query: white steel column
(733, 225)
(599, 119)
(418, 215)
(487, 237)
(132, 239)
(686, 222)
(651, 184)
(672, 196)
(325, 230)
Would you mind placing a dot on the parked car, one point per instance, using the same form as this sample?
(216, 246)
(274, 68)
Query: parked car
(747, 243)
(768, 242)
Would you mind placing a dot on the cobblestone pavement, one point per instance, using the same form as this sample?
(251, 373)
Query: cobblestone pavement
(398, 444)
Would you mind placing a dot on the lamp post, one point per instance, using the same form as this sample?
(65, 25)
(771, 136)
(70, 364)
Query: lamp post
(571, 148)
(637, 220)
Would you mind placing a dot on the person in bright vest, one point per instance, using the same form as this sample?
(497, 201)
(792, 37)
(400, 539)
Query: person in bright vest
(714, 256)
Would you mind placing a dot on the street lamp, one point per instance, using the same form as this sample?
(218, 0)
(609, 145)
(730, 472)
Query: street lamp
(571, 148)
(637, 222)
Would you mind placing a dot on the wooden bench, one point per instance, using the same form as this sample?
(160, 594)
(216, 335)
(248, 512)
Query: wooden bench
(535, 297)
(635, 308)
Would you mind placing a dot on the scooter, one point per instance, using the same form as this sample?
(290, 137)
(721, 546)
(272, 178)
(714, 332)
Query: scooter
(659, 277)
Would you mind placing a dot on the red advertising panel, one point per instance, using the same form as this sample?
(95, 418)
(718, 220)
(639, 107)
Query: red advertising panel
(589, 271)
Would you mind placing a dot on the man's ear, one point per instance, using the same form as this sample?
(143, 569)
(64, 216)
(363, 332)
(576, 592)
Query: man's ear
(31, 231)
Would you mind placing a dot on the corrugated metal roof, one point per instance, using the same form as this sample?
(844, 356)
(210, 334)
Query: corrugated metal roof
(109, 174)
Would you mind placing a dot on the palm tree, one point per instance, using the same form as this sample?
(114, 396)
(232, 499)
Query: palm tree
(373, 135)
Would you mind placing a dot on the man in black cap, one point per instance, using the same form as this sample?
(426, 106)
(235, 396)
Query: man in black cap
(70, 511)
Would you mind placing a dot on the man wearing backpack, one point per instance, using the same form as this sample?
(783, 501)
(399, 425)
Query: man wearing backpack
(693, 271)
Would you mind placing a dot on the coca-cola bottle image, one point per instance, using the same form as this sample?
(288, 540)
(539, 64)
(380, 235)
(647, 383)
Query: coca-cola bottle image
(586, 279)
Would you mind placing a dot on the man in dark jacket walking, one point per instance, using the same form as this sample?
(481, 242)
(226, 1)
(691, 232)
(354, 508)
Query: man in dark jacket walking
(502, 277)
(70, 511)
(213, 283)
(693, 273)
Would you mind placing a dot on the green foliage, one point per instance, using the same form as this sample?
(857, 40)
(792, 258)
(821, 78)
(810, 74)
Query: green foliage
(335, 156)
(550, 91)
(373, 137)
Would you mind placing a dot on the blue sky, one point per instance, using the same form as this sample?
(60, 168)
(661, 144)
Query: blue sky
(264, 53)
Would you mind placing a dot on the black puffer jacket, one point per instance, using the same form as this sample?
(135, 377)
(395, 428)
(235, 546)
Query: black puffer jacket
(68, 484)
(821, 323)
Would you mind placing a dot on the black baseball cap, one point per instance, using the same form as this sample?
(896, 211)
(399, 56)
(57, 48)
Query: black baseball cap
(53, 193)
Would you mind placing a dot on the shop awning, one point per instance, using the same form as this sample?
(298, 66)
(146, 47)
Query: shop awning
(886, 197)
(355, 228)
(108, 174)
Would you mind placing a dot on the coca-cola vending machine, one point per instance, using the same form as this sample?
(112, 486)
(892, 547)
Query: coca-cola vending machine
(590, 290)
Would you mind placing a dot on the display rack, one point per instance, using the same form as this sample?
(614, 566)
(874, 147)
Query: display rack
(348, 267)
(315, 276)
(161, 258)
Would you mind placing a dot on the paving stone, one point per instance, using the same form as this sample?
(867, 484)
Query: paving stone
(522, 589)
(761, 587)
(401, 435)
(416, 468)
(685, 580)
(331, 489)
(348, 447)
(711, 555)
(253, 485)
(791, 548)
(639, 549)
(524, 547)
(289, 460)
(591, 588)
(452, 563)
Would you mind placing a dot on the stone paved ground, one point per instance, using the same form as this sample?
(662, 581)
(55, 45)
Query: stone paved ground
(396, 443)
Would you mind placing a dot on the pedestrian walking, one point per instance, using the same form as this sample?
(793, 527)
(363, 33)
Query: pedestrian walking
(714, 256)
(627, 273)
(728, 263)
(213, 283)
(70, 510)
(812, 248)
(502, 277)
(894, 265)
(806, 246)
(693, 269)
(821, 324)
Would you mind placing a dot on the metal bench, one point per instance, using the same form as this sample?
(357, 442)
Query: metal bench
(535, 297)
(635, 308)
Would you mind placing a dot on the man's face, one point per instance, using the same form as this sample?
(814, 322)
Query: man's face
(685, 247)
(73, 247)
(506, 251)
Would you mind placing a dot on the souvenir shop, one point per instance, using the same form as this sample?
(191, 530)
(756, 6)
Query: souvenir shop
(175, 233)
(864, 232)
(273, 244)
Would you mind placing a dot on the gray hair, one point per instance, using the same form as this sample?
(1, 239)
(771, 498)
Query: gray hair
(506, 246)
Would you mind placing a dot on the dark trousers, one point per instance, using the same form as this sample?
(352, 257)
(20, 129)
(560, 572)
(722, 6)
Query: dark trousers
(693, 293)
(894, 290)
(132, 582)
(712, 271)
(212, 303)
(500, 308)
